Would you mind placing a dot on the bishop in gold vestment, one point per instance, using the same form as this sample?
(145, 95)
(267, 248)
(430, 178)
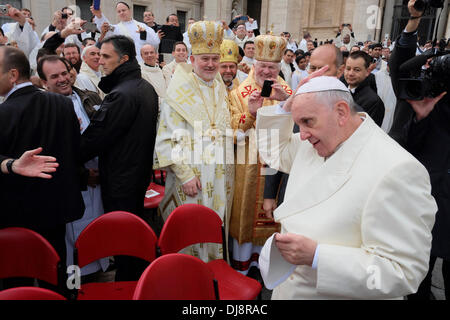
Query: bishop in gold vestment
(249, 227)
(192, 137)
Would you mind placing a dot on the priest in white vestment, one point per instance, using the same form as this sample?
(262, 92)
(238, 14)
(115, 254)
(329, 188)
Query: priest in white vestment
(358, 212)
(180, 55)
(139, 32)
(90, 72)
(192, 144)
(151, 71)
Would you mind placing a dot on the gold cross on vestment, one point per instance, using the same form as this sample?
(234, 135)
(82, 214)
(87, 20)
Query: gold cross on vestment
(185, 96)
(210, 189)
(217, 203)
(220, 171)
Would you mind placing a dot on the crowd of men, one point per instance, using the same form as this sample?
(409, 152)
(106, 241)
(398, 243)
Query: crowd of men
(114, 103)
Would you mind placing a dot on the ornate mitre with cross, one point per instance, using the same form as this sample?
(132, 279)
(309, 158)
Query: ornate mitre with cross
(229, 51)
(205, 37)
(269, 48)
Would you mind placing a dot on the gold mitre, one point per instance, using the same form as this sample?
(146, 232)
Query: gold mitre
(205, 37)
(229, 51)
(269, 48)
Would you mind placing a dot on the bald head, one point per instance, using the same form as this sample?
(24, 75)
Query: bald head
(327, 54)
(149, 55)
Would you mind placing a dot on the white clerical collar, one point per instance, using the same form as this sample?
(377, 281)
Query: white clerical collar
(17, 87)
(206, 83)
(352, 90)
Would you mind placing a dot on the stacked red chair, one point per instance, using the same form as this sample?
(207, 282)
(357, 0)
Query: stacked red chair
(177, 277)
(191, 224)
(115, 233)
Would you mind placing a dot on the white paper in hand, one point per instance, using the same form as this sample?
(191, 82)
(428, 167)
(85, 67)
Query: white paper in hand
(274, 268)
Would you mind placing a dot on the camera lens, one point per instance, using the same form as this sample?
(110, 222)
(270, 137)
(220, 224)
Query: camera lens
(420, 5)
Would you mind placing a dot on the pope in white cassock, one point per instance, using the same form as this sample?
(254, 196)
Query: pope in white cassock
(357, 215)
(138, 31)
(192, 141)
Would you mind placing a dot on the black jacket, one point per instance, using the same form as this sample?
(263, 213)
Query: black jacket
(429, 141)
(122, 133)
(369, 100)
(31, 118)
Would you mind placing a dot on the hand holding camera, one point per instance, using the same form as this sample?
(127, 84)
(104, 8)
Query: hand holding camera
(16, 14)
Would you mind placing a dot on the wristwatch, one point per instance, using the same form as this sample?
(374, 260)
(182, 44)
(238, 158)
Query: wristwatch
(9, 166)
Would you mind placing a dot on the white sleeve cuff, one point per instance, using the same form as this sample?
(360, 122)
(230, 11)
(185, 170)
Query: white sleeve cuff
(316, 258)
(189, 180)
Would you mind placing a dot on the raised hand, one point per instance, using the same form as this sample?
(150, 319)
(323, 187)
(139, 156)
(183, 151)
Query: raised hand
(319, 73)
(424, 107)
(32, 165)
(97, 13)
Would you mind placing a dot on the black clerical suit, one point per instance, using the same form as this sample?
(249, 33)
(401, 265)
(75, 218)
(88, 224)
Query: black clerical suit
(31, 118)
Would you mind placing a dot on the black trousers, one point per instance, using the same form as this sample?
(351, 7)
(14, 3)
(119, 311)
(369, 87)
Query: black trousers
(424, 291)
(127, 268)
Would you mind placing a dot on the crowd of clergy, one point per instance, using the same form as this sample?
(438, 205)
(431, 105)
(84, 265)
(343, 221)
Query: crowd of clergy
(208, 81)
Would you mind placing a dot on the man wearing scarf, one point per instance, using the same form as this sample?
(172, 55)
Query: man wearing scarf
(122, 134)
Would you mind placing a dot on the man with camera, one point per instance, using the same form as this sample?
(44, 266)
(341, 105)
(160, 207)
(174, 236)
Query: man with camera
(348, 40)
(139, 32)
(421, 125)
(249, 225)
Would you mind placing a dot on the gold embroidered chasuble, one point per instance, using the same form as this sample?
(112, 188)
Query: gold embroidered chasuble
(192, 142)
(248, 222)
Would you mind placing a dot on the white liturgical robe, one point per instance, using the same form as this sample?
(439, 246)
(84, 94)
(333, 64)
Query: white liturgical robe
(368, 206)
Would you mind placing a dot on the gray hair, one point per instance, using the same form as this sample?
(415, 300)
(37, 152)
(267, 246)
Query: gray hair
(86, 49)
(278, 64)
(331, 97)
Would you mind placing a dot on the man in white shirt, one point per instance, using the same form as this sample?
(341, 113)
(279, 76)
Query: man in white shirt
(303, 43)
(249, 54)
(180, 54)
(241, 35)
(292, 45)
(301, 73)
(139, 32)
(287, 67)
(20, 31)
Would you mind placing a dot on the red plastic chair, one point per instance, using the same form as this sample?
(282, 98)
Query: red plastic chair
(176, 277)
(115, 233)
(159, 175)
(153, 202)
(192, 223)
(26, 254)
(30, 293)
